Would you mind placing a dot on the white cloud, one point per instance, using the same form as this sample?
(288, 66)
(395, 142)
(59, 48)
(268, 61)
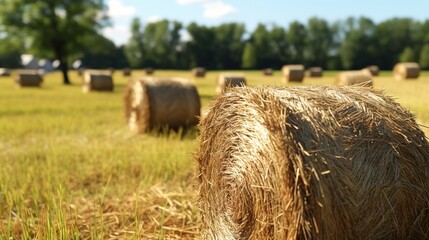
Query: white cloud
(117, 9)
(184, 2)
(217, 9)
(153, 19)
(118, 34)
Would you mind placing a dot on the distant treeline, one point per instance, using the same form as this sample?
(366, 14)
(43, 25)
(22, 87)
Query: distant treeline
(348, 44)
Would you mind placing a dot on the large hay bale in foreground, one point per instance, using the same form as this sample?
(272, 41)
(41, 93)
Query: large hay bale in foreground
(199, 72)
(347, 78)
(28, 78)
(97, 80)
(4, 72)
(373, 69)
(154, 103)
(312, 163)
(314, 72)
(406, 70)
(293, 73)
(229, 80)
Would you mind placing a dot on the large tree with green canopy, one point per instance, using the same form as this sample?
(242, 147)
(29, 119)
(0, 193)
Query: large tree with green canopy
(54, 28)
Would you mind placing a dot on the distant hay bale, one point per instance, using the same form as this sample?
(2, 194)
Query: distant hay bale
(293, 73)
(373, 69)
(80, 71)
(229, 80)
(149, 71)
(314, 72)
(199, 72)
(406, 70)
(267, 71)
(347, 78)
(312, 163)
(97, 80)
(154, 103)
(4, 72)
(126, 72)
(28, 78)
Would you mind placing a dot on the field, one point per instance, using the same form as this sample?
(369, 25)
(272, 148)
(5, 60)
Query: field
(71, 169)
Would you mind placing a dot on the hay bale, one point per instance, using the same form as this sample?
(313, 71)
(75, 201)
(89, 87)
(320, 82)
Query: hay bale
(155, 103)
(314, 72)
(406, 70)
(373, 69)
(126, 72)
(347, 78)
(199, 72)
(293, 73)
(4, 72)
(80, 71)
(97, 80)
(312, 163)
(149, 71)
(267, 71)
(28, 78)
(229, 80)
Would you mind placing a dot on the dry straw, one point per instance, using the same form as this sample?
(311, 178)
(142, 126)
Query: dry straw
(199, 72)
(97, 80)
(374, 70)
(229, 80)
(314, 72)
(347, 78)
(408, 70)
(152, 103)
(293, 73)
(28, 78)
(312, 163)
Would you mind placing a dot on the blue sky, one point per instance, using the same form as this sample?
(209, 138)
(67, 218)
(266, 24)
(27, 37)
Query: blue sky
(252, 12)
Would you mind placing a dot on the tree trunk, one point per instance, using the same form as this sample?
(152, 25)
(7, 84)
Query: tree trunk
(64, 69)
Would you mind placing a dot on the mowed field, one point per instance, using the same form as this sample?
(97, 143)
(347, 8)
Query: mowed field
(71, 168)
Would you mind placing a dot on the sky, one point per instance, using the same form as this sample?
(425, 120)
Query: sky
(252, 12)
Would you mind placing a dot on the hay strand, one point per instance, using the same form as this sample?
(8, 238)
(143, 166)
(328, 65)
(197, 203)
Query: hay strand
(406, 70)
(152, 103)
(312, 163)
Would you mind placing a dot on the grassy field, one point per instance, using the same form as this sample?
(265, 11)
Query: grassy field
(71, 169)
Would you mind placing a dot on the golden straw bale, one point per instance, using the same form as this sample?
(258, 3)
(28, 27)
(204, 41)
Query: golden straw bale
(155, 103)
(267, 71)
(373, 69)
(97, 80)
(149, 71)
(199, 72)
(126, 72)
(229, 80)
(312, 163)
(28, 78)
(4, 72)
(293, 73)
(314, 72)
(80, 71)
(361, 77)
(406, 70)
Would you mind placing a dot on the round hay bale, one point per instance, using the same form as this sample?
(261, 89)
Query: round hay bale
(347, 78)
(314, 72)
(373, 69)
(97, 80)
(155, 103)
(80, 71)
(149, 71)
(406, 70)
(267, 71)
(28, 78)
(4, 72)
(199, 72)
(126, 72)
(312, 163)
(293, 73)
(229, 80)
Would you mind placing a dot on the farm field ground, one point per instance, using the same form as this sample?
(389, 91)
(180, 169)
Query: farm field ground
(71, 168)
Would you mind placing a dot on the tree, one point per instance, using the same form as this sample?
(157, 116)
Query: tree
(229, 45)
(407, 55)
(319, 42)
(54, 28)
(134, 49)
(249, 56)
(10, 52)
(201, 47)
(424, 57)
(297, 34)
